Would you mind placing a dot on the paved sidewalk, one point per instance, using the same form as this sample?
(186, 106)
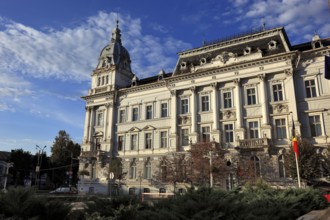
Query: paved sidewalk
(323, 214)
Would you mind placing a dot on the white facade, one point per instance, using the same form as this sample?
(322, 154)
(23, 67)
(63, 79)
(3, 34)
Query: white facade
(240, 94)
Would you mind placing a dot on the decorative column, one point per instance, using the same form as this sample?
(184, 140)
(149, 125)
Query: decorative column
(91, 124)
(193, 110)
(173, 113)
(109, 125)
(263, 97)
(86, 126)
(238, 103)
(215, 106)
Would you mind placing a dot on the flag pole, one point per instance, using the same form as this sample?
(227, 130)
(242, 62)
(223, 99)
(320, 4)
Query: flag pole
(298, 173)
(296, 150)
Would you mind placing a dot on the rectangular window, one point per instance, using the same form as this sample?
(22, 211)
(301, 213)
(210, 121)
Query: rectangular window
(99, 119)
(163, 139)
(280, 128)
(315, 125)
(120, 143)
(229, 133)
(148, 141)
(205, 134)
(134, 142)
(184, 137)
(253, 129)
(205, 103)
(184, 106)
(135, 114)
(277, 92)
(122, 116)
(310, 88)
(149, 112)
(251, 96)
(227, 100)
(163, 110)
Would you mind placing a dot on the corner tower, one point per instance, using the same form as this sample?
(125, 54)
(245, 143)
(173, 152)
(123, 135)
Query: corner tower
(113, 72)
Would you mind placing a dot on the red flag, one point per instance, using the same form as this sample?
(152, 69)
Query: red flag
(294, 139)
(295, 146)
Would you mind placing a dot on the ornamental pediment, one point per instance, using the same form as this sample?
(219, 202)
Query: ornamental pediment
(148, 128)
(134, 129)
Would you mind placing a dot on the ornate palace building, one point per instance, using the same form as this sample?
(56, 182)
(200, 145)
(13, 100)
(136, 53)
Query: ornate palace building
(240, 94)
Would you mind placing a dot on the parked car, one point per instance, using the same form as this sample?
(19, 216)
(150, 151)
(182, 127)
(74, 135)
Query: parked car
(65, 190)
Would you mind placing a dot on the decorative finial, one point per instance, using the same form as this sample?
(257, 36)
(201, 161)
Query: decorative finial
(263, 23)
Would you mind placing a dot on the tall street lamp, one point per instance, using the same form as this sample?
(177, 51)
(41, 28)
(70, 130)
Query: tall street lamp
(38, 176)
(8, 165)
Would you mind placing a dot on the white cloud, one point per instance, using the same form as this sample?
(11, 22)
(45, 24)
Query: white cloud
(300, 17)
(72, 53)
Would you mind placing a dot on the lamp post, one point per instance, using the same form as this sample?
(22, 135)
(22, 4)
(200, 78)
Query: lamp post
(38, 176)
(140, 179)
(210, 155)
(8, 165)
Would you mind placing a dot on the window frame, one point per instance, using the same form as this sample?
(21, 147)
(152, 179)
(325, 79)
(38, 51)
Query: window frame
(281, 166)
(280, 128)
(149, 112)
(121, 143)
(205, 104)
(135, 114)
(184, 106)
(99, 118)
(253, 131)
(163, 111)
(278, 93)
(310, 89)
(256, 165)
(251, 98)
(226, 103)
(184, 137)
(147, 170)
(132, 169)
(163, 139)
(134, 142)
(313, 125)
(205, 134)
(122, 117)
(230, 132)
(148, 140)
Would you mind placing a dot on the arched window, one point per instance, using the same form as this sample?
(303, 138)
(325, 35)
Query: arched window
(132, 169)
(281, 167)
(256, 166)
(163, 170)
(131, 191)
(147, 169)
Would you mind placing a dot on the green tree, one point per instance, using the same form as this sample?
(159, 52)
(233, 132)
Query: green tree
(64, 159)
(313, 162)
(22, 166)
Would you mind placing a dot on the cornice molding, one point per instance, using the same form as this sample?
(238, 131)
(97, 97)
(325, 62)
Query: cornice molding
(232, 68)
(214, 71)
(99, 95)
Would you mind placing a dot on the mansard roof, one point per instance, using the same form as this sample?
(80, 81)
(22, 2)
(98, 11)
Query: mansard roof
(265, 43)
(308, 45)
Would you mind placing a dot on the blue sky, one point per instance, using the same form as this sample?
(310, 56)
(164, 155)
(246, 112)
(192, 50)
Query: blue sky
(49, 48)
